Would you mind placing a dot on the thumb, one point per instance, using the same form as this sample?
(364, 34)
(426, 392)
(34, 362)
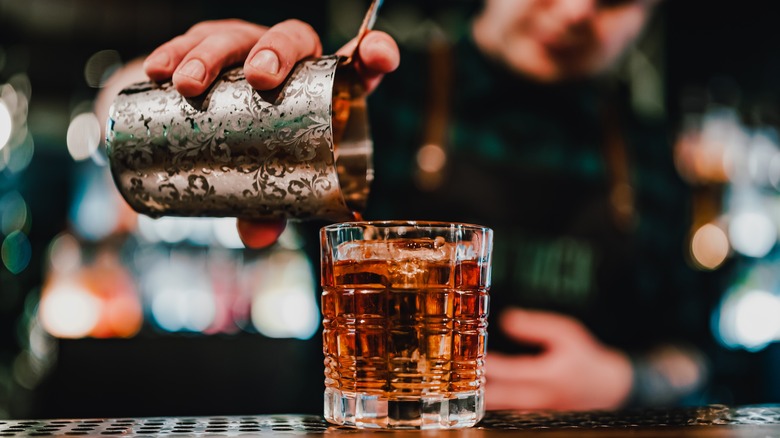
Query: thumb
(378, 54)
(539, 327)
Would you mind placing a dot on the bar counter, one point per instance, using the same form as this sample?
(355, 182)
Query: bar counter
(708, 421)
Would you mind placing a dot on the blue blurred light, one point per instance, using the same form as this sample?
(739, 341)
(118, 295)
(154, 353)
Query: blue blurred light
(93, 211)
(13, 212)
(283, 296)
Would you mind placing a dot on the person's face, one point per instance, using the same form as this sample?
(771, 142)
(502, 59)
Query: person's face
(551, 40)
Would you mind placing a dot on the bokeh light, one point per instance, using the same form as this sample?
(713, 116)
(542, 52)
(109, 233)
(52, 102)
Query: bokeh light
(16, 252)
(183, 309)
(21, 154)
(122, 316)
(756, 319)
(100, 66)
(6, 124)
(774, 171)
(283, 303)
(179, 293)
(13, 212)
(431, 158)
(290, 238)
(165, 229)
(709, 246)
(198, 231)
(64, 254)
(762, 149)
(69, 310)
(752, 233)
(94, 211)
(83, 136)
(23, 86)
(226, 233)
(11, 98)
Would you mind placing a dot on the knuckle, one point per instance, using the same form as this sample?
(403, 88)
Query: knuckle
(282, 42)
(298, 25)
(201, 26)
(177, 41)
(300, 33)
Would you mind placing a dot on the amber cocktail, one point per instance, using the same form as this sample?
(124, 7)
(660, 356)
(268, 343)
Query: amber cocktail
(405, 323)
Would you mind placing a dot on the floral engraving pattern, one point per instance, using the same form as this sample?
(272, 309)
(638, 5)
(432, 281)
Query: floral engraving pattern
(233, 151)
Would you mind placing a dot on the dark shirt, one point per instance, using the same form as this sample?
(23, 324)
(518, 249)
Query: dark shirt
(530, 161)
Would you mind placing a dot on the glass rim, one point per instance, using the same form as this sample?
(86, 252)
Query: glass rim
(404, 223)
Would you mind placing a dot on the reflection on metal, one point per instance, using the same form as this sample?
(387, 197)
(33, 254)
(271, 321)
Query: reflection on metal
(236, 152)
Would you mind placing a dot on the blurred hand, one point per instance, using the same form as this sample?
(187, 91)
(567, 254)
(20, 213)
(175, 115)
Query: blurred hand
(260, 234)
(574, 371)
(193, 60)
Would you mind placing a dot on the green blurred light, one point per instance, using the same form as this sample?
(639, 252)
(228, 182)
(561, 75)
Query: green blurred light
(16, 252)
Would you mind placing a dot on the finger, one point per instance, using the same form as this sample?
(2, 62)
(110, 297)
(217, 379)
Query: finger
(163, 61)
(500, 367)
(225, 46)
(277, 51)
(378, 55)
(546, 329)
(517, 397)
(260, 234)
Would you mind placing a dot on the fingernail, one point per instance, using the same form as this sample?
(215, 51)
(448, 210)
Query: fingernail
(159, 59)
(194, 69)
(267, 61)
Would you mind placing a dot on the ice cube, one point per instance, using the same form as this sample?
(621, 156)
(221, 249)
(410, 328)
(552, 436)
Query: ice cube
(396, 249)
(364, 250)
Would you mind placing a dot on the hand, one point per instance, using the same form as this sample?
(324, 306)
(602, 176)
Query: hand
(574, 371)
(194, 60)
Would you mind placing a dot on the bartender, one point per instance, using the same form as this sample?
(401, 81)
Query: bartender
(519, 125)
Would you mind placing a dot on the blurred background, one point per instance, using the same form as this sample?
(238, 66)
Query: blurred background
(107, 313)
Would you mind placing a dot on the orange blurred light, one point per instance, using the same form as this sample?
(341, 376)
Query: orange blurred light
(431, 158)
(68, 310)
(121, 315)
(97, 301)
(699, 160)
(709, 246)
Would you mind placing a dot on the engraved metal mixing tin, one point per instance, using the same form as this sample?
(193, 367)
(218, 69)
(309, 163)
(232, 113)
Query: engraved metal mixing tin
(238, 152)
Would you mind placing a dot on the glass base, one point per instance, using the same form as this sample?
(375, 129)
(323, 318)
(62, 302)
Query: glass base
(371, 411)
